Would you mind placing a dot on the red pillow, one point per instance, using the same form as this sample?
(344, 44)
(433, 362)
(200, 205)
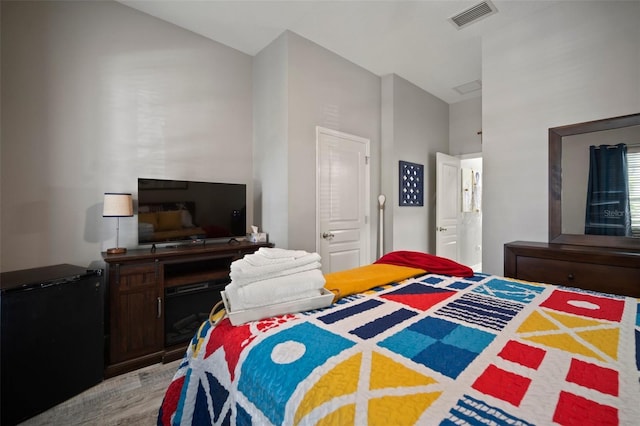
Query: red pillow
(426, 261)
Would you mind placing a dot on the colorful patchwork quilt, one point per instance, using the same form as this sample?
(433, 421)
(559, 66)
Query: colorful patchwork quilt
(432, 350)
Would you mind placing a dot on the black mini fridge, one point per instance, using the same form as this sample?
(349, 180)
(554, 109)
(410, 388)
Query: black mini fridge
(51, 336)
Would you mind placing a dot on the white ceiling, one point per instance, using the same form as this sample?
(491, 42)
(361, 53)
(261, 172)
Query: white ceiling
(413, 39)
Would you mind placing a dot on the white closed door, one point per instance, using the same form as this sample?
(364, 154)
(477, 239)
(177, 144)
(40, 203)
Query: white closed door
(447, 205)
(342, 191)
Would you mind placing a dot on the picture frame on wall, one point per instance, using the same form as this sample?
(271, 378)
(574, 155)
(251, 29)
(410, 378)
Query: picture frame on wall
(411, 180)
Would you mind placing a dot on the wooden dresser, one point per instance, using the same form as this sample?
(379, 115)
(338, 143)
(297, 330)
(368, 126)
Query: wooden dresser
(608, 270)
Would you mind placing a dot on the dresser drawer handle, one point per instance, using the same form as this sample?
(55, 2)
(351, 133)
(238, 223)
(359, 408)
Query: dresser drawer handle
(570, 277)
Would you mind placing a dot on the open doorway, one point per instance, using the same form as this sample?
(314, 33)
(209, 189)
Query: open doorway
(470, 225)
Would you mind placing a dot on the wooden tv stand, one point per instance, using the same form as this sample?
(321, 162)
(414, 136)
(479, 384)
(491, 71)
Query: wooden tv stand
(136, 302)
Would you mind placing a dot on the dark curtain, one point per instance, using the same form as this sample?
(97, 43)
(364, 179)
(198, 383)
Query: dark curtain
(608, 210)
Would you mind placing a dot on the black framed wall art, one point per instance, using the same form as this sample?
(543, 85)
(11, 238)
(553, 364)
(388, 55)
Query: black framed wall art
(411, 184)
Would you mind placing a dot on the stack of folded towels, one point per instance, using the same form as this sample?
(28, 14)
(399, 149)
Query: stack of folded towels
(273, 275)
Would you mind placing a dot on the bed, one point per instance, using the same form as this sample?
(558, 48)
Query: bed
(430, 349)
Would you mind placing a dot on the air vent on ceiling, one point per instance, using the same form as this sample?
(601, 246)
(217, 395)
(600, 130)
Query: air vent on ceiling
(473, 14)
(472, 86)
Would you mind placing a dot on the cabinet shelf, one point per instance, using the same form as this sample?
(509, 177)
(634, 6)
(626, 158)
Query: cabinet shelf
(190, 271)
(196, 277)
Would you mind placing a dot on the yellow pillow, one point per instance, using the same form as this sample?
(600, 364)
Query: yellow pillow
(358, 280)
(151, 218)
(169, 220)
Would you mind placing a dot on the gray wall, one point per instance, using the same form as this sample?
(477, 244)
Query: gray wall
(270, 140)
(415, 126)
(304, 85)
(465, 121)
(325, 90)
(95, 95)
(571, 62)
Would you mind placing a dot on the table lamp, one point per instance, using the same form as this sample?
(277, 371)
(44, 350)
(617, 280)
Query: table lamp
(117, 204)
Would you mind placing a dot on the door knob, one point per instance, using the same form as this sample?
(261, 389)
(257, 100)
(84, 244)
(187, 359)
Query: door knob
(441, 229)
(327, 235)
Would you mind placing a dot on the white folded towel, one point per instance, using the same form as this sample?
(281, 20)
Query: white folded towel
(243, 272)
(275, 290)
(276, 253)
(256, 259)
(236, 304)
(241, 280)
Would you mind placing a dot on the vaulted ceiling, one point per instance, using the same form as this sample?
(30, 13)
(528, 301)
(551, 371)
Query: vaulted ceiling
(413, 39)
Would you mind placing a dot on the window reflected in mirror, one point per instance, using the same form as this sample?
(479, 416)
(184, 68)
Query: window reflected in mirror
(623, 206)
(633, 162)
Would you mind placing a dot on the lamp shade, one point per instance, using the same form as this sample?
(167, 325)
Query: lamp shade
(117, 204)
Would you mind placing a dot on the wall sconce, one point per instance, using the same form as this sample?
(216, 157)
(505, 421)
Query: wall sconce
(117, 205)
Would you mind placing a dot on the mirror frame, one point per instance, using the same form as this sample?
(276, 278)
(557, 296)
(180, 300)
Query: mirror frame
(555, 183)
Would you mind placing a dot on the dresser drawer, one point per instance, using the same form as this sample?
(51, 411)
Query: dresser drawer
(588, 276)
(606, 270)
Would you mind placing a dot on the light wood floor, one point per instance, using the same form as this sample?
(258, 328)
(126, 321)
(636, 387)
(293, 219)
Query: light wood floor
(129, 399)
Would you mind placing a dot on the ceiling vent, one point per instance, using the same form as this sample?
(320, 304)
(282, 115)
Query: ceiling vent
(473, 14)
(472, 86)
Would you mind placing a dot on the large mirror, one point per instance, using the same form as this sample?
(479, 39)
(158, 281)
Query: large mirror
(569, 174)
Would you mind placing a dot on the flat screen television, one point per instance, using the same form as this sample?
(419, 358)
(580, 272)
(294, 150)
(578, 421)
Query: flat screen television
(180, 211)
